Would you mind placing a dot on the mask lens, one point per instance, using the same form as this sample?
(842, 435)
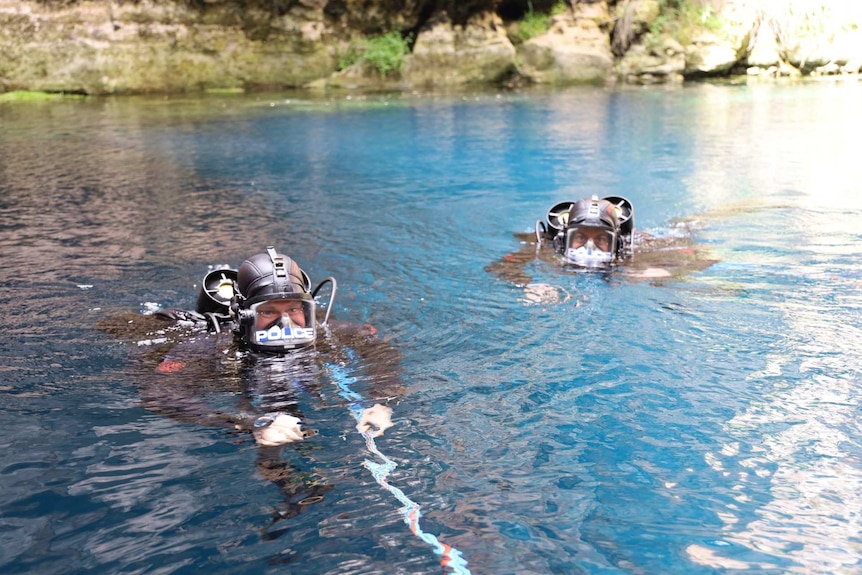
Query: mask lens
(601, 239)
(282, 323)
(590, 246)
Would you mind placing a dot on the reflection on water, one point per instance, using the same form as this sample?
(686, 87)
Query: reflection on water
(802, 437)
(700, 424)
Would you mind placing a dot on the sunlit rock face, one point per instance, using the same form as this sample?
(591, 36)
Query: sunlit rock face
(446, 54)
(576, 49)
(141, 46)
(120, 47)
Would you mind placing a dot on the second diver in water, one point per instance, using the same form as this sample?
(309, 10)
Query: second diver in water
(593, 234)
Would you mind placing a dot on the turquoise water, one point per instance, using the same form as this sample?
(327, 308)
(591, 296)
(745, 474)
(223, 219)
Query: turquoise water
(705, 424)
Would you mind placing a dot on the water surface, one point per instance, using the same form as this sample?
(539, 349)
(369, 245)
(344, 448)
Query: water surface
(708, 423)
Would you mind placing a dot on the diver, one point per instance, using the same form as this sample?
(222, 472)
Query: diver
(598, 235)
(269, 309)
(254, 349)
(590, 232)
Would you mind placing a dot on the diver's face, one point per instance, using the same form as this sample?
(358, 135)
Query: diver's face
(271, 311)
(601, 238)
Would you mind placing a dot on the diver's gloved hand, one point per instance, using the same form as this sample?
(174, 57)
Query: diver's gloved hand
(274, 429)
(375, 420)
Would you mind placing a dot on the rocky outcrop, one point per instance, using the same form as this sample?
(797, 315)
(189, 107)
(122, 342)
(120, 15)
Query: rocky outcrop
(661, 63)
(575, 50)
(826, 41)
(107, 47)
(446, 54)
(743, 36)
(136, 46)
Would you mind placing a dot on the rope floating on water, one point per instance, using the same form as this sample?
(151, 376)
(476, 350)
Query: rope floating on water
(410, 510)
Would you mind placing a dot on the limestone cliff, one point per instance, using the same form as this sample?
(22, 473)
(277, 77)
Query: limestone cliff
(137, 46)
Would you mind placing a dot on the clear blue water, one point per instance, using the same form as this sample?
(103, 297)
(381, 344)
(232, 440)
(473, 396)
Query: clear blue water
(705, 424)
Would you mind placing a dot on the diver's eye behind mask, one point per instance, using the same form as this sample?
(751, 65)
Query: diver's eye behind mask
(265, 319)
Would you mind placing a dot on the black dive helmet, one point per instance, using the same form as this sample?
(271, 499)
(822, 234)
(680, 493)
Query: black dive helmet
(273, 307)
(590, 232)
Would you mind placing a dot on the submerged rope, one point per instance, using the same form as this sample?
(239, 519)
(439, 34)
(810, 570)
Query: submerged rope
(410, 510)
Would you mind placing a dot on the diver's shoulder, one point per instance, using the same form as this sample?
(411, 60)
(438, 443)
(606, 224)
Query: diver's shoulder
(350, 329)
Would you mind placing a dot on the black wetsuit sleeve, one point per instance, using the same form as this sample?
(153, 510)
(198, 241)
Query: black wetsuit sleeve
(190, 385)
(512, 266)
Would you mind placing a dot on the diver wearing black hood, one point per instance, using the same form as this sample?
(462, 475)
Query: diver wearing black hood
(273, 308)
(267, 303)
(270, 309)
(256, 349)
(590, 233)
(593, 234)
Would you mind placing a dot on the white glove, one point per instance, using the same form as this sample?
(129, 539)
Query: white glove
(375, 420)
(274, 429)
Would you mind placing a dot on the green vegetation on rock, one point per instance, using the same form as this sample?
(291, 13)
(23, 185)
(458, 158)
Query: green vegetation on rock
(34, 96)
(681, 18)
(535, 23)
(220, 91)
(384, 53)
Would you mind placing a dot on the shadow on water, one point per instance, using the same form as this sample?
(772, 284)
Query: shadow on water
(701, 423)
